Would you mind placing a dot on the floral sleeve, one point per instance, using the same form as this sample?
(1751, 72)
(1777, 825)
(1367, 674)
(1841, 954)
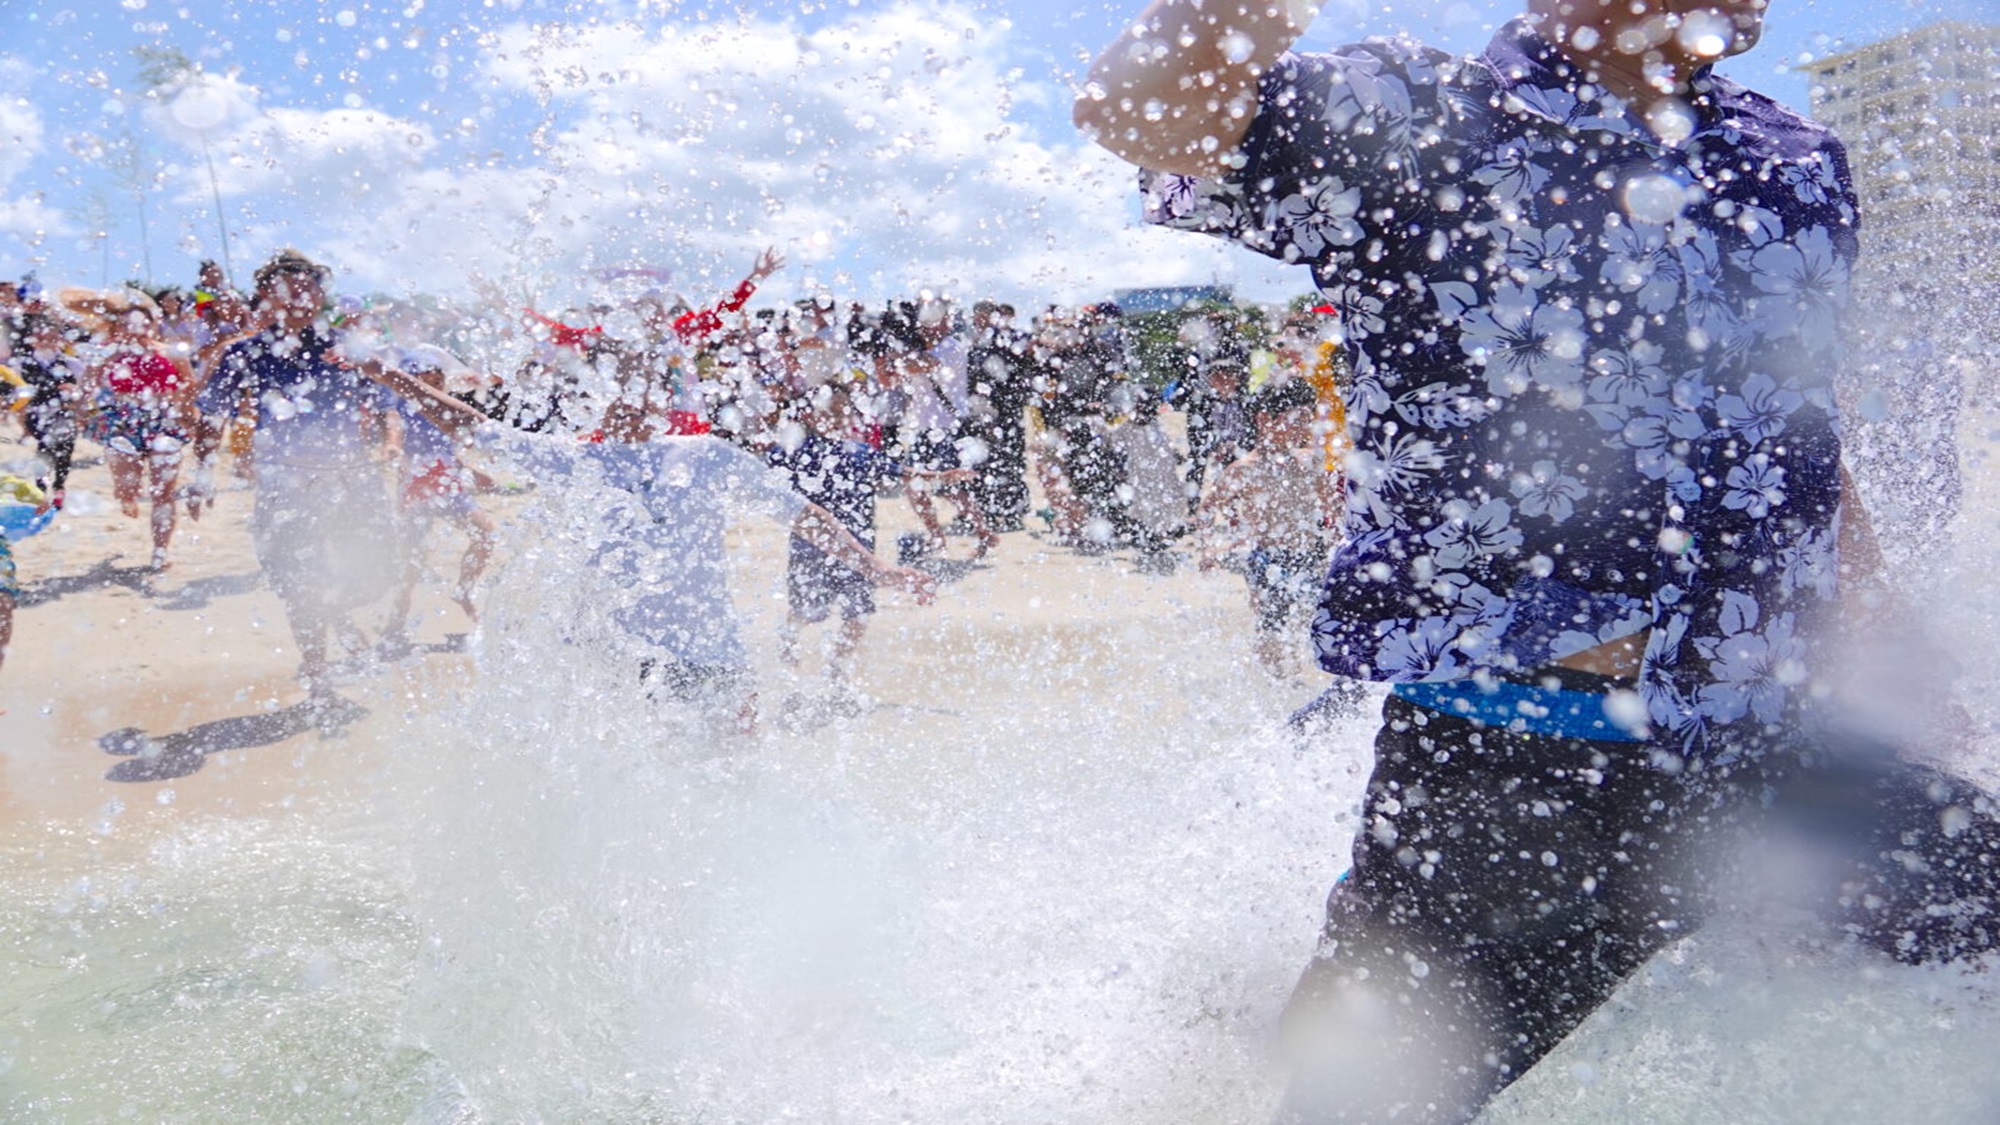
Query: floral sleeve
(1330, 135)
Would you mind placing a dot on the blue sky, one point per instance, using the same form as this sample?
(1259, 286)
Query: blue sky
(421, 143)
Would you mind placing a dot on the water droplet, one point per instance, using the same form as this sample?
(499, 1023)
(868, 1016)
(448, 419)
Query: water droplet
(1654, 198)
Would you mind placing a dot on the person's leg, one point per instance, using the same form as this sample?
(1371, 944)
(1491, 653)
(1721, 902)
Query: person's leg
(60, 448)
(9, 590)
(1274, 652)
(809, 596)
(841, 652)
(55, 439)
(309, 631)
(398, 629)
(164, 469)
(726, 694)
(480, 537)
(1914, 853)
(1001, 485)
(350, 534)
(1067, 514)
(853, 595)
(288, 549)
(1502, 886)
(968, 506)
(127, 478)
(920, 502)
(1263, 576)
(60, 445)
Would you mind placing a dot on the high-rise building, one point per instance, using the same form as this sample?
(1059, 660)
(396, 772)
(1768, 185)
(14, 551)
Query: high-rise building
(1920, 115)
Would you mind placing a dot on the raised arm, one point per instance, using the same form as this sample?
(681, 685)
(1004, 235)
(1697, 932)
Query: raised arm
(442, 410)
(697, 325)
(1178, 90)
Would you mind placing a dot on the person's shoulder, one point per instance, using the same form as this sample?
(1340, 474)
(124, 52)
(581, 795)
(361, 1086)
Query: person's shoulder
(427, 357)
(703, 447)
(1376, 58)
(245, 345)
(1400, 50)
(1770, 118)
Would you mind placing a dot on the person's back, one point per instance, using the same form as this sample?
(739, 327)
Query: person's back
(839, 474)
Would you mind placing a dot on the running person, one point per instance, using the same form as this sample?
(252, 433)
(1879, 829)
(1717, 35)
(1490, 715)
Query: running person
(834, 470)
(435, 485)
(1275, 508)
(54, 377)
(670, 498)
(144, 412)
(323, 524)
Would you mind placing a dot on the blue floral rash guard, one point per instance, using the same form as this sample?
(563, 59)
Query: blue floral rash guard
(1593, 370)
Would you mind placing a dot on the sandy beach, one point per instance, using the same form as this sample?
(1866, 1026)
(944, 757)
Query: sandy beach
(194, 667)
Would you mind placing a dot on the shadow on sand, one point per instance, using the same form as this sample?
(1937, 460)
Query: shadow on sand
(198, 593)
(104, 574)
(167, 756)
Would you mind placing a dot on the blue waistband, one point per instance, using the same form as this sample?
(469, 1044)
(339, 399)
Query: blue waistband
(1556, 712)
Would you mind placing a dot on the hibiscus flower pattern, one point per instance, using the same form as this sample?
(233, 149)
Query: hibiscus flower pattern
(1319, 217)
(1593, 368)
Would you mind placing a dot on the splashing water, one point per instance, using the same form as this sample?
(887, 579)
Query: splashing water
(1069, 874)
(1063, 870)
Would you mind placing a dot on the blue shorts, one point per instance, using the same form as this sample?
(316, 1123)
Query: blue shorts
(817, 585)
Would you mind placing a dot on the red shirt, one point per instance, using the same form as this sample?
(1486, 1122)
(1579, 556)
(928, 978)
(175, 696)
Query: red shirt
(699, 324)
(139, 373)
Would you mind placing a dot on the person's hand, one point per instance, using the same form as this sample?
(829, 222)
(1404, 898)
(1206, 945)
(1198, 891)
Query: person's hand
(919, 583)
(768, 263)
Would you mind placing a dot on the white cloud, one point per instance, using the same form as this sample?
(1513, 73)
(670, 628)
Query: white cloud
(904, 147)
(24, 216)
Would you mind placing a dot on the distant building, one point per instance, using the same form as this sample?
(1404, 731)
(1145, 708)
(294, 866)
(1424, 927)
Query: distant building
(1921, 117)
(1920, 114)
(1171, 298)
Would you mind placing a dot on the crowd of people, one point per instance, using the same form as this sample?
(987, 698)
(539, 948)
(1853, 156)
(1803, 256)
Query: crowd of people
(310, 397)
